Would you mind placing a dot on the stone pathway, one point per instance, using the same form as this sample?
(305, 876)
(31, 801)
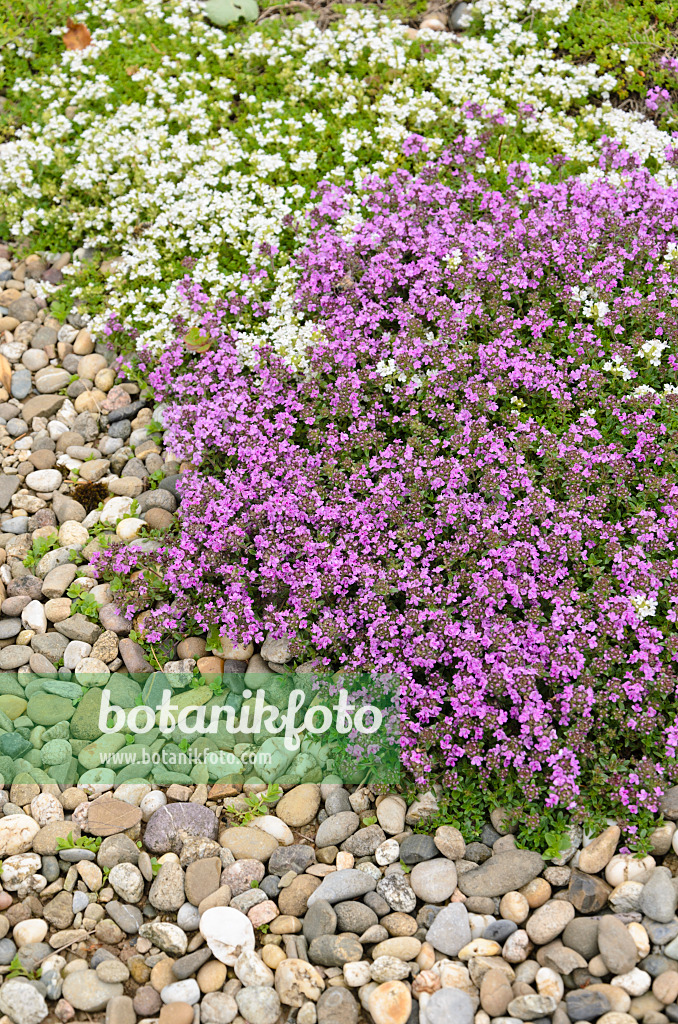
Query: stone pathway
(74, 434)
(144, 905)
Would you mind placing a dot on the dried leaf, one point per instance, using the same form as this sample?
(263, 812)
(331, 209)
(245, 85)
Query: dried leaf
(132, 70)
(107, 817)
(77, 37)
(5, 373)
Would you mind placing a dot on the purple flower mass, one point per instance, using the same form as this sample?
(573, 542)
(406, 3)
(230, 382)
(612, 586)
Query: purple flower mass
(471, 484)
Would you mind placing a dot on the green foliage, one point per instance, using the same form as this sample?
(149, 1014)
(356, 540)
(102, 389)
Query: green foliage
(155, 478)
(40, 547)
(83, 843)
(605, 30)
(256, 804)
(467, 807)
(17, 970)
(83, 602)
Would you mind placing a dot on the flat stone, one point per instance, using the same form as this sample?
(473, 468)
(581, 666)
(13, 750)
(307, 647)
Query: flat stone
(343, 885)
(502, 873)
(451, 930)
(587, 893)
(299, 806)
(41, 405)
(659, 898)
(434, 881)
(336, 829)
(106, 816)
(616, 945)
(418, 848)
(47, 709)
(297, 857)
(583, 1005)
(128, 918)
(248, 843)
(450, 1004)
(548, 921)
(85, 991)
(335, 950)
(167, 826)
(597, 855)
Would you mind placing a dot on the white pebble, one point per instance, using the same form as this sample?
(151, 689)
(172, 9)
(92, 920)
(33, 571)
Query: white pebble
(151, 802)
(635, 982)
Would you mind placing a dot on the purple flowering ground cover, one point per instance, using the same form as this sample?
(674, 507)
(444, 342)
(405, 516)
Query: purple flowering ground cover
(470, 485)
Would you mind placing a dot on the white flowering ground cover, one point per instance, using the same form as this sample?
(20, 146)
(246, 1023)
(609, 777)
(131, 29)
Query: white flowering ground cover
(168, 138)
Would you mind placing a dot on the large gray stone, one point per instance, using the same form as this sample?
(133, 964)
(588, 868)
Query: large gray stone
(502, 873)
(450, 931)
(342, 885)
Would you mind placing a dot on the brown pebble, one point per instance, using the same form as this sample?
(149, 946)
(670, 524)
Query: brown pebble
(162, 975)
(147, 1001)
(536, 892)
(192, 646)
(399, 924)
(176, 1013)
(161, 519)
(665, 987)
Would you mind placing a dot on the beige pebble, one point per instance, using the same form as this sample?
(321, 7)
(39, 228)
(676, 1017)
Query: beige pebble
(665, 987)
(426, 957)
(162, 975)
(286, 925)
(273, 956)
(211, 976)
(640, 937)
(83, 344)
(536, 893)
(479, 947)
(514, 907)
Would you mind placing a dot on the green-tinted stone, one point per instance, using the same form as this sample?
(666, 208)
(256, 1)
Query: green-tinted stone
(153, 689)
(91, 756)
(123, 692)
(101, 776)
(138, 772)
(7, 768)
(30, 773)
(65, 774)
(235, 682)
(163, 777)
(37, 736)
(11, 686)
(6, 722)
(192, 698)
(11, 706)
(23, 725)
(34, 757)
(85, 721)
(60, 731)
(56, 752)
(200, 774)
(48, 709)
(34, 686)
(78, 745)
(63, 688)
(12, 744)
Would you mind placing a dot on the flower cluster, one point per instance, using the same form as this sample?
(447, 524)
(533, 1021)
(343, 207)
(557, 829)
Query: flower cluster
(459, 486)
(207, 144)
